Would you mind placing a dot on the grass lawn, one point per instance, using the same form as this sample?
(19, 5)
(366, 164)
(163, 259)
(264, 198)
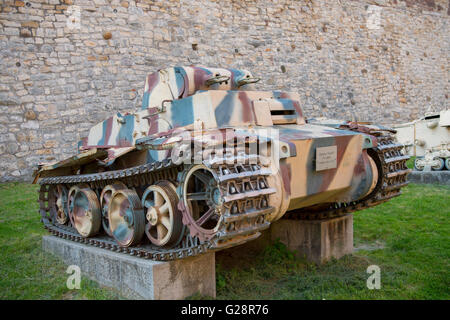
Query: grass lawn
(410, 162)
(408, 238)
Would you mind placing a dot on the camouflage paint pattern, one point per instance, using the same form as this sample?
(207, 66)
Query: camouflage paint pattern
(215, 102)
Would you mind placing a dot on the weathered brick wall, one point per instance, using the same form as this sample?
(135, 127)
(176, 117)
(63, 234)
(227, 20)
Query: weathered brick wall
(385, 61)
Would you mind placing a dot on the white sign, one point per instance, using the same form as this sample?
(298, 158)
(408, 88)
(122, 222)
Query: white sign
(326, 158)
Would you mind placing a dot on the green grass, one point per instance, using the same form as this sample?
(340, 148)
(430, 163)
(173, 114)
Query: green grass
(410, 162)
(26, 272)
(407, 237)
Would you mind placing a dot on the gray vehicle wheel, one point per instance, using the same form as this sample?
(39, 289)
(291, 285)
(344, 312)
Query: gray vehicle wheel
(416, 166)
(447, 163)
(440, 166)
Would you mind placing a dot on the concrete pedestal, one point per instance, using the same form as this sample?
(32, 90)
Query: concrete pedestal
(138, 278)
(316, 240)
(434, 177)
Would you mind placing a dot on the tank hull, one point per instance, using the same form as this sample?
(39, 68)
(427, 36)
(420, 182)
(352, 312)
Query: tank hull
(208, 164)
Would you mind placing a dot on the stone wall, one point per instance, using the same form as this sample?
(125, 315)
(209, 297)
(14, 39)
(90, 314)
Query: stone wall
(67, 64)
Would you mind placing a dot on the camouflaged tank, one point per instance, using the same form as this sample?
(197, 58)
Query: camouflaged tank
(208, 163)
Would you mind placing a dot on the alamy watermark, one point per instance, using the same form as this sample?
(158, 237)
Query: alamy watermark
(374, 280)
(74, 19)
(373, 17)
(74, 279)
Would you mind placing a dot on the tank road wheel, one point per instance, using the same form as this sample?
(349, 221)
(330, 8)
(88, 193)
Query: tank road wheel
(126, 217)
(58, 204)
(201, 202)
(447, 163)
(70, 197)
(165, 226)
(417, 164)
(440, 164)
(86, 214)
(105, 198)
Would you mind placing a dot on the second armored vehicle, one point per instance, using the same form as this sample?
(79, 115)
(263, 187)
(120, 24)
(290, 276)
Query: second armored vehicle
(427, 138)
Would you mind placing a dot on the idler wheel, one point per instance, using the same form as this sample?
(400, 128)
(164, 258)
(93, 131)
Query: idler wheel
(126, 217)
(57, 200)
(86, 215)
(105, 198)
(164, 221)
(201, 202)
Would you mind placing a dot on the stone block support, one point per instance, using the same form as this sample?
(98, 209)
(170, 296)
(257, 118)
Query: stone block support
(316, 240)
(430, 177)
(138, 278)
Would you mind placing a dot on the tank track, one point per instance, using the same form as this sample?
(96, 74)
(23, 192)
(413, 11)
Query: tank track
(245, 191)
(392, 162)
(251, 195)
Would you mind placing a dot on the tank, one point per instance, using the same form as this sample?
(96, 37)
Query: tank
(208, 163)
(427, 138)
(429, 132)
